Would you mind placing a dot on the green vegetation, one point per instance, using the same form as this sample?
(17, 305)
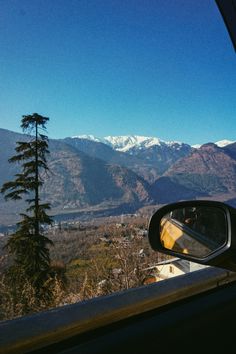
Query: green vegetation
(29, 277)
(44, 265)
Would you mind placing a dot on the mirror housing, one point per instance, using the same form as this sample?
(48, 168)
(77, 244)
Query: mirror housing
(228, 11)
(200, 231)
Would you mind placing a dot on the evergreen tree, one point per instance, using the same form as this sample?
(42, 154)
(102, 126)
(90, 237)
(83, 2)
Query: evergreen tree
(28, 245)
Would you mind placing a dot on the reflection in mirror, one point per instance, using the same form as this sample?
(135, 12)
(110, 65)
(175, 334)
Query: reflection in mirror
(197, 231)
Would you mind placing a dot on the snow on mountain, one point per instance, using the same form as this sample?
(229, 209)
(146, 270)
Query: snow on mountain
(125, 143)
(223, 143)
(87, 137)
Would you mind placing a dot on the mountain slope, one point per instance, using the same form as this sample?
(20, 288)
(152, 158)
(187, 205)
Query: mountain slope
(230, 150)
(209, 169)
(148, 157)
(107, 153)
(162, 155)
(165, 190)
(8, 141)
(88, 175)
(77, 180)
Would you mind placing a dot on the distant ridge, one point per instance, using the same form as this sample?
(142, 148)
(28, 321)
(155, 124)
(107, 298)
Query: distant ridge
(125, 143)
(123, 173)
(221, 143)
(128, 142)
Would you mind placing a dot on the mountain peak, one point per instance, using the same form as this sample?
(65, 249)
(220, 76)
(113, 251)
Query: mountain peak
(87, 137)
(129, 143)
(220, 143)
(126, 142)
(223, 143)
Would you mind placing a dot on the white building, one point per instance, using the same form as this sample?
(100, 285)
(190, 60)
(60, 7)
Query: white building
(171, 268)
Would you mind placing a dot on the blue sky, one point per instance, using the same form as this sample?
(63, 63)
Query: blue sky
(163, 68)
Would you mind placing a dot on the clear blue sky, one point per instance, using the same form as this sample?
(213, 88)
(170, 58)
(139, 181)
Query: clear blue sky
(162, 68)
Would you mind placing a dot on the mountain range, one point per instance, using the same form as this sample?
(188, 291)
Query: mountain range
(90, 175)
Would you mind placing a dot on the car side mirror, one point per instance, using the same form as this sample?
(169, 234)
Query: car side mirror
(199, 231)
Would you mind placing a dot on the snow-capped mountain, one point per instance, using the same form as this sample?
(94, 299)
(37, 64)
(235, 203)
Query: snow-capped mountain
(223, 143)
(126, 143)
(88, 137)
(147, 156)
(126, 172)
(196, 146)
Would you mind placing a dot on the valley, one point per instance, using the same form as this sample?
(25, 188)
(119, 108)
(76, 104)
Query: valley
(90, 177)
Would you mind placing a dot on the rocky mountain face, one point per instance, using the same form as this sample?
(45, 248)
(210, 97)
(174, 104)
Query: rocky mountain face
(148, 157)
(123, 173)
(209, 169)
(77, 180)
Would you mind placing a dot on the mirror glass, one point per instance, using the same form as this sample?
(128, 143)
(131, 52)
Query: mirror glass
(197, 231)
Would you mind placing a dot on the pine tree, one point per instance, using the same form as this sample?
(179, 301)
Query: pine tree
(28, 245)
